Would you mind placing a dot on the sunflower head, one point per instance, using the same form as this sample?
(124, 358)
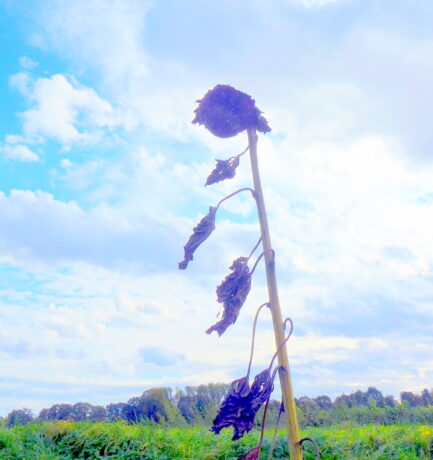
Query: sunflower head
(226, 111)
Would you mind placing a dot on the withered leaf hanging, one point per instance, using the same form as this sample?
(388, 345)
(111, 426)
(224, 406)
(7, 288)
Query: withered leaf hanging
(201, 232)
(252, 454)
(232, 293)
(226, 111)
(224, 169)
(242, 403)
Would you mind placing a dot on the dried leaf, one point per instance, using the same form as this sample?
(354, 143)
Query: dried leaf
(242, 403)
(252, 454)
(232, 405)
(232, 293)
(226, 111)
(224, 169)
(201, 232)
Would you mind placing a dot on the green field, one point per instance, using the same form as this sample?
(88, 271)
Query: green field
(67, 440)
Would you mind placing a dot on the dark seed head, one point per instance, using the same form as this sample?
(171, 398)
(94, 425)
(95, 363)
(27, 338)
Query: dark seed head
(226, 111)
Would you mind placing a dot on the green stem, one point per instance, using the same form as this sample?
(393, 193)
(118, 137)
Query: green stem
(285, 380)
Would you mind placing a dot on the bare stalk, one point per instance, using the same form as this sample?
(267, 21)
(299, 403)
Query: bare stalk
(285, 380)
(233, 194)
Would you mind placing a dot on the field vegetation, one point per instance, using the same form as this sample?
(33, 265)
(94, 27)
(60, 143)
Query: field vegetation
(166, 424)
(116, 440)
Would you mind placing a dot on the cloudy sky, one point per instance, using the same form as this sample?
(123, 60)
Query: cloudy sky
(102, 180)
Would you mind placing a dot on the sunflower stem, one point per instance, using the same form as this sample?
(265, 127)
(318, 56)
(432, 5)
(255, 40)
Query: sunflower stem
(285, 379)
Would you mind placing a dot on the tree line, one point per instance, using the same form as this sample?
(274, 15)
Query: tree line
(197, 405)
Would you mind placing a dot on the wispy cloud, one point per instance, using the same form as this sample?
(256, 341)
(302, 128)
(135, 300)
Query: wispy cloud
(19, 152)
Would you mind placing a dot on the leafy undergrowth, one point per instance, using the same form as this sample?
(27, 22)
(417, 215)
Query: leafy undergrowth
(67, 440)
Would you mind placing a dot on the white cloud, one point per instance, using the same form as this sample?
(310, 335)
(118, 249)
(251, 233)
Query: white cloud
(111, 39)
(66, 163)
(39, 228)
(14, 139)
(64, 110)
(65, 323)
(27, 63)
(108, 36)
(109, 329)
(348, 202)
(22, 82)
(18, 152)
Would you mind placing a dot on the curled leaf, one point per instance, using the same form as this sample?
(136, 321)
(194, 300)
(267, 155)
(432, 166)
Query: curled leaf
(201, 232)
(224, 169)
(232, 405)
(242, 403)
(232, 293)
(226, 111)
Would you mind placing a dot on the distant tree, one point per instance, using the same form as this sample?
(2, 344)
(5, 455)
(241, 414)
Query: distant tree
(389, 401)
(358, 398)
(99, 413)
(324, 402)
(411, 399)
(310, 411)
(84, 411)
(19, 417)
(56, 412)
(199, 404)
(187, 406)
(80, 411)
(343, 400)
(157, 404)
(204, 400)
(77, 412)
(426, 398)
(131, 411)
(374, 395)
(215, 392)
(115, 411)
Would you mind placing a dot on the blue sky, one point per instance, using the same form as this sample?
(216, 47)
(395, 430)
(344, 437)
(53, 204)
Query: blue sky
(102, 181)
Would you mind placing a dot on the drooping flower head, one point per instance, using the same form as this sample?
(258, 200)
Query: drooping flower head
(226, 111)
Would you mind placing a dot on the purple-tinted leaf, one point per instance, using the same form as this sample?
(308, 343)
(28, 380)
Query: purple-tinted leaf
(252, 454)
(201, 232)
(232, 405)
(242, 403)
(224, 169)
(232, 293)
(226, 111)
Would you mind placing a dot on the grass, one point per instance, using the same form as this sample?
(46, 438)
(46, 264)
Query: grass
(66, 440)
